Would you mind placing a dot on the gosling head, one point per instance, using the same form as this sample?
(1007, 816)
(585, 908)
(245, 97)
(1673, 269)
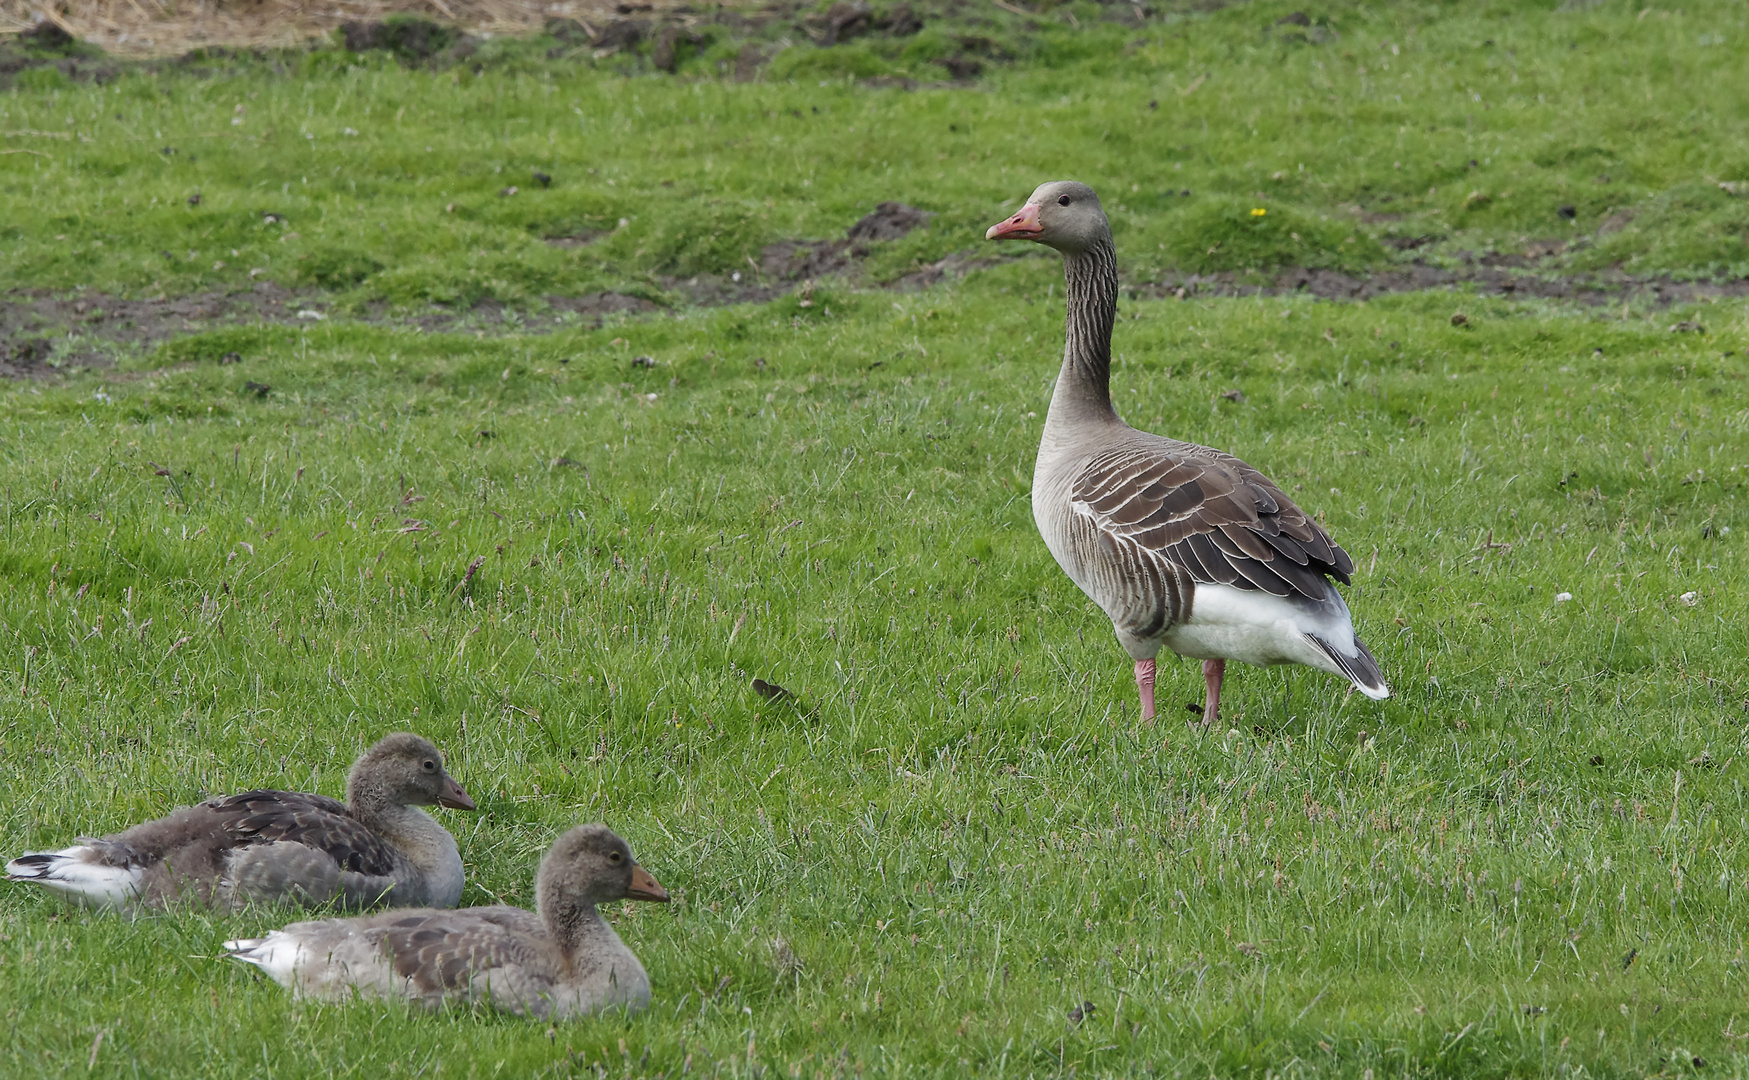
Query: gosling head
(591, 865)
(404, 770)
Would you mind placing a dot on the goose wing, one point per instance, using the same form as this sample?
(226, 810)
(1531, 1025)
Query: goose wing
(247, 819)
(1208, 514)
(443, 952)
(315, 821)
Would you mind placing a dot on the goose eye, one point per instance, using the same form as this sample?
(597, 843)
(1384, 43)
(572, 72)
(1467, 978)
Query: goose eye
(428, 765)
(614, 856)
(1062, 200)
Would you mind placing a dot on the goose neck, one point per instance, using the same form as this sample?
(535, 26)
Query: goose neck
(425, 843)
(573, 924)
(1083, 390)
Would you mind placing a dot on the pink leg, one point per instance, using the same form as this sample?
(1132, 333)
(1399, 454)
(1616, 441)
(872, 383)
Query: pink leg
(1212, 670)
(1145, 686)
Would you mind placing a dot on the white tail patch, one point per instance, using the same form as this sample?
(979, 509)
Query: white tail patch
(1254, 627)
(1227, 623)
(278, 954)
(76, 874)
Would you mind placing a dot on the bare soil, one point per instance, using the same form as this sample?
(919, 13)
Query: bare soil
(42, 333)
(96, 40)
(151, 29)
(1486, 276)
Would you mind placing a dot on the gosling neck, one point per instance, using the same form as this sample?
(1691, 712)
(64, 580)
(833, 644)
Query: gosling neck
(416, 834)
(571, 920)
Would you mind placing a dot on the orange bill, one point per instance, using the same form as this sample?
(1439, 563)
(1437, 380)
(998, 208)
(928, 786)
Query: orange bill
(645, 887)
(1022, 226)
(454, 797)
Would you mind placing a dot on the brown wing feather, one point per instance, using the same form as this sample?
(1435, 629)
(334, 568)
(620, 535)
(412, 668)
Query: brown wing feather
(316, 821)
(1210, 513)
(252, 817)
(442, 952)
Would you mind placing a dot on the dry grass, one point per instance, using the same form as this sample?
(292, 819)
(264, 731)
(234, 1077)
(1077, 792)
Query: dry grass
(169, 27)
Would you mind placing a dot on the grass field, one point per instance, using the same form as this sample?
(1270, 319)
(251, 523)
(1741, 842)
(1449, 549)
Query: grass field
(1524, 863)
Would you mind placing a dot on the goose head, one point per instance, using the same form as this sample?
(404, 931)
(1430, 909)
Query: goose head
(404, 770)
(589, 866)
(1062, 214)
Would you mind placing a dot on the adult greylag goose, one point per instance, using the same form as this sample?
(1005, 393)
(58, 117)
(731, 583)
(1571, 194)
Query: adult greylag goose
(376, 848)
(1184, 547)
(559, 962)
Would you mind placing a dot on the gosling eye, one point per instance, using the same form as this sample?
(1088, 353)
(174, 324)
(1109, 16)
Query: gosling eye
(428, 765)
(1062, 200)
(614, 856)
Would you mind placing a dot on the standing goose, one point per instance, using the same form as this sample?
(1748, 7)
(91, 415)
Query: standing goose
(377, 848)
(558, 964)
(1182, 546)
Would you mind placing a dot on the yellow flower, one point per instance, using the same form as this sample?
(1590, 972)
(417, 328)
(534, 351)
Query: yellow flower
(1259, 212)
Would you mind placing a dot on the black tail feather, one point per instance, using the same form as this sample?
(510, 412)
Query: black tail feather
(1362, 669)
(34, 865)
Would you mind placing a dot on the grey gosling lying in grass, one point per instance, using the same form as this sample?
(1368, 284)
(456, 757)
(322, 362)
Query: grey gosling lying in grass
(563, 962)
(1183, 547)
(377, 848)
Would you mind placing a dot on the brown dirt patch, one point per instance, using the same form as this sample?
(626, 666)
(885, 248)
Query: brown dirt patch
(153, 29)
(42, 333)
(1487, 276)
(789, 262)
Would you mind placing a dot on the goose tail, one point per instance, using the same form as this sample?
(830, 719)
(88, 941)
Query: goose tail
(1360, 667)
(277, 954)
(78, 874)
(248, 950)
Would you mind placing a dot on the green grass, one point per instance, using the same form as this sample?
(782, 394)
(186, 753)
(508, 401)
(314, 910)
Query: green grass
(1524, 863)
(1475, 127)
